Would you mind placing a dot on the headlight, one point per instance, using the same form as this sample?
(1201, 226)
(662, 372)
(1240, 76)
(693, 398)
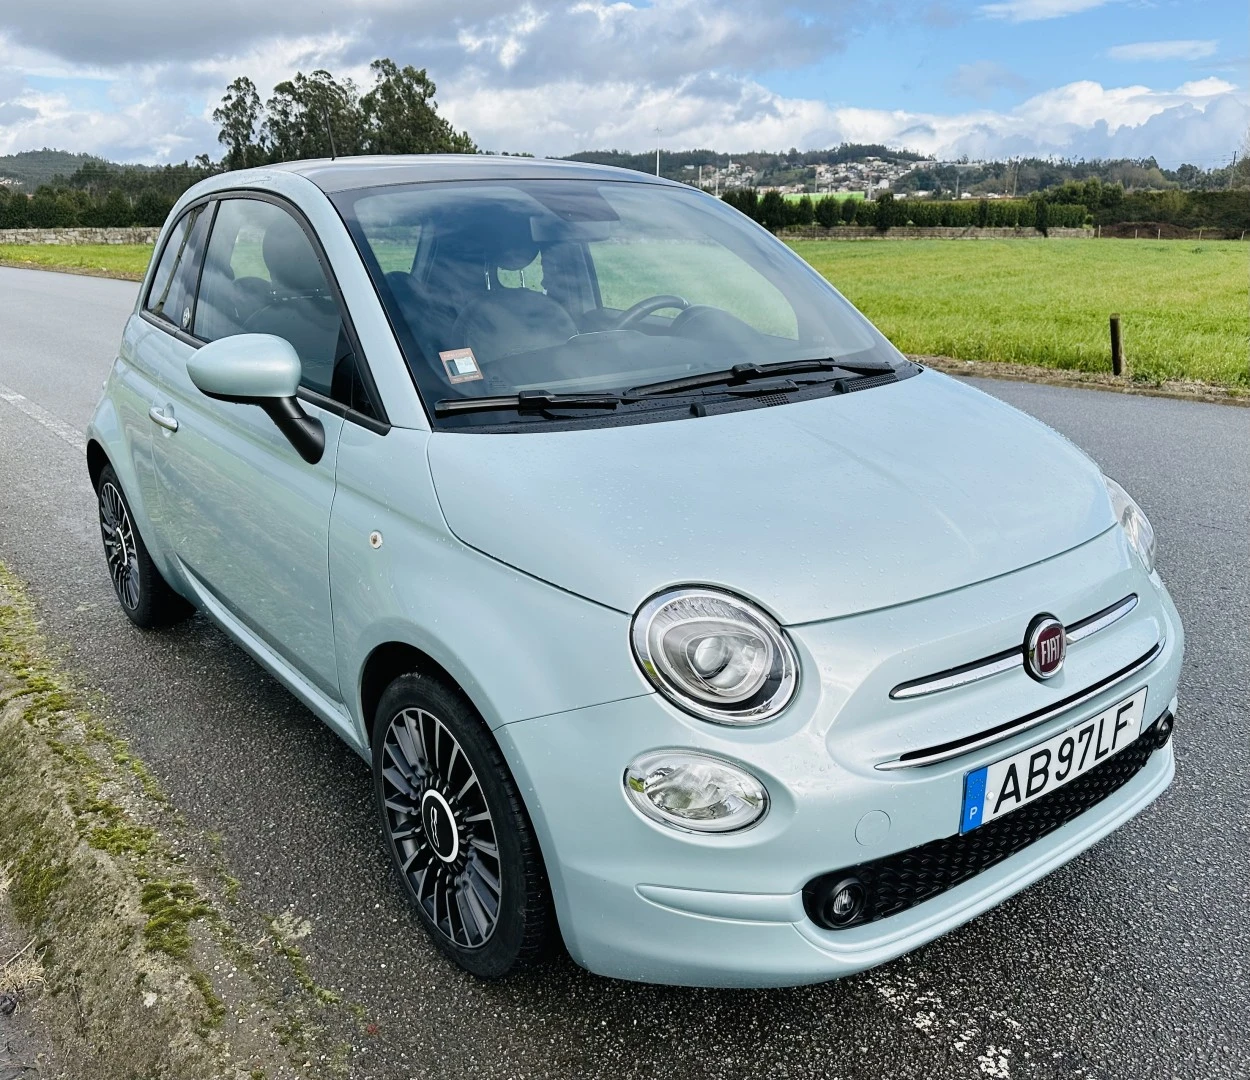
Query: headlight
(1136, 525)
(695, 792)
(715, 656)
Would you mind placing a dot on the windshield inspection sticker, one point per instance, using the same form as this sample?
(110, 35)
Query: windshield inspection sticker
(461, 365)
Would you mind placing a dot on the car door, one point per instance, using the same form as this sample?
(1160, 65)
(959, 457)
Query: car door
(249, 517)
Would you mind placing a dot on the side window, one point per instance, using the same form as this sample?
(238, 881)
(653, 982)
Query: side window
(172, 295)
(262, 276)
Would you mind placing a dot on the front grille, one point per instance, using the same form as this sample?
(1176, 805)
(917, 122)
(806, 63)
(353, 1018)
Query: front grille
(903, 880)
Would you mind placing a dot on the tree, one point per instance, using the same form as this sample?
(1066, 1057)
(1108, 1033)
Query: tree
(803, 212)
(239, 115)
(400, 116)
(1041, 217)
(313, 116)
(827, 212)
(847, 209)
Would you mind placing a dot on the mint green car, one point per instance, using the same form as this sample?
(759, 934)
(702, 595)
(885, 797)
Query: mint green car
(681, 618)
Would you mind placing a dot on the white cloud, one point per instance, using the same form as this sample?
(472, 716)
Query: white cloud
(524, 75)
(1035, 10)
(1164, 50)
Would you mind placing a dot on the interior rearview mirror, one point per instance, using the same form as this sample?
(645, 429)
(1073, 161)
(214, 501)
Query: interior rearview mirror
(263, 370)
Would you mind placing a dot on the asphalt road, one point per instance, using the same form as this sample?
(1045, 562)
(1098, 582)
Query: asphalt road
(1130, 962)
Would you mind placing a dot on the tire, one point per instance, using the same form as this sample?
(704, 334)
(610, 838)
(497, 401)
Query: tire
(144, 595)
(456, 828)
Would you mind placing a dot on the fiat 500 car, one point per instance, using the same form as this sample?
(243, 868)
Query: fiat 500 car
(681, 617)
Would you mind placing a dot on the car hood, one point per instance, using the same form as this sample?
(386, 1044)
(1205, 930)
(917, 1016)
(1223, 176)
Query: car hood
(814, 509)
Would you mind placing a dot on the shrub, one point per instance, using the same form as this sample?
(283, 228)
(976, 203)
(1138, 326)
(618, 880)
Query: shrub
(15, 212)
(772, 211)
(152, 208)
(827, 212)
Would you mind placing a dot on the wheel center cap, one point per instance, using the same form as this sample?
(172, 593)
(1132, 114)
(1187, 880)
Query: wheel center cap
(440, 826)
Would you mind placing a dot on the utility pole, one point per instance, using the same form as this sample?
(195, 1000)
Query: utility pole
(1232, 169)
(657, 153)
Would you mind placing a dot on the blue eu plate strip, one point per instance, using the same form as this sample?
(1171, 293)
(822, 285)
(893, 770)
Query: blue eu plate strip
(974, 800)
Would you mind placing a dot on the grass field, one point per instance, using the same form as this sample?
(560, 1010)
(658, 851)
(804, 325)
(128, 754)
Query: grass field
(1184, 306)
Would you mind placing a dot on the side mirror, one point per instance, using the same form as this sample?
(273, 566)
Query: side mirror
(263, 370)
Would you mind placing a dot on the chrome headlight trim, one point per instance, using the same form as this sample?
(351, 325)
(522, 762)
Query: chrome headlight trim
(753, 640)
(1132, 519)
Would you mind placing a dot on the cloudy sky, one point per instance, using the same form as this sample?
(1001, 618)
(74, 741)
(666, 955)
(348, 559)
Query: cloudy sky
(137, 80)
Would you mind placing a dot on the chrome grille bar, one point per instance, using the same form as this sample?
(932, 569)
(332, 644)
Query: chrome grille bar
(915, 759)
(1008, 659)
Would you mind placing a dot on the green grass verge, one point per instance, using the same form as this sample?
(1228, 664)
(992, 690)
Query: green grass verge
(1184, 307)
(109, 260)
(93, 859)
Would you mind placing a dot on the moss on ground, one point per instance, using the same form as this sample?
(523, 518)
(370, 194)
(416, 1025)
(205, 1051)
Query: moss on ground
(127, 938)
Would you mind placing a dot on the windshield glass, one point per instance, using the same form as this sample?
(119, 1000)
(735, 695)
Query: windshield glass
(576, 286)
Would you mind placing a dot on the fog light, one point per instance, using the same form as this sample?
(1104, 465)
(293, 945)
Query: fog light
(845, 903)
(695, 792)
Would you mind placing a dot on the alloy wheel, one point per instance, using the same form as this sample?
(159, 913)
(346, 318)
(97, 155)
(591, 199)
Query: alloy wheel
(441, 828)
(119, 545)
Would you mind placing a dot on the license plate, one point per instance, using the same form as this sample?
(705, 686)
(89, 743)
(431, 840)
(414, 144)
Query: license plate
(997, 789)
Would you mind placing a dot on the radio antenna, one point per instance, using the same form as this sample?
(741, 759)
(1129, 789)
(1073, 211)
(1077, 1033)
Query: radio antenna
(325, 113)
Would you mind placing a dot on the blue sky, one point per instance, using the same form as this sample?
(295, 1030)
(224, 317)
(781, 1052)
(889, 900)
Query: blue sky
(137, 79)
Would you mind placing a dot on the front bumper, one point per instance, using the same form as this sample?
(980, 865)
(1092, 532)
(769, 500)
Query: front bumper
(639, 901)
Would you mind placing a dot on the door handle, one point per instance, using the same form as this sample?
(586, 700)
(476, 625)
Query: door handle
(158, 417)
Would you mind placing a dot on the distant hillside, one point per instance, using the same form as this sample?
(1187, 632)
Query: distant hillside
(31, 168)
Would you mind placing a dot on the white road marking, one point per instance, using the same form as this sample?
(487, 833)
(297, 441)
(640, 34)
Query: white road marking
(40, 415)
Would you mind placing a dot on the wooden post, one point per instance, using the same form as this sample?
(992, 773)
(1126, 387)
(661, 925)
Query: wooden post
(1199, 234)
(1159, 237)
(1117, 353)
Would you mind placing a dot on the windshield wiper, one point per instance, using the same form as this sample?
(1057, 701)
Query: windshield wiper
(744, 373)
(526, 401)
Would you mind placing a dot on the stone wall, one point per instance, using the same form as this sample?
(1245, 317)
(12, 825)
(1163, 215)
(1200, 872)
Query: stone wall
(136, 235)
(913, 232)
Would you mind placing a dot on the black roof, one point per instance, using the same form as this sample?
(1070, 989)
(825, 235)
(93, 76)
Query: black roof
(351, 173)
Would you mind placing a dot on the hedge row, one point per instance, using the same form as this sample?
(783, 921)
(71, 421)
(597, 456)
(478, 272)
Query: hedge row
(67, 208)
(774, 212)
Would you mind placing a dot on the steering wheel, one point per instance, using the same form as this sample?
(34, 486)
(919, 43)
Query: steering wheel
(643, 308)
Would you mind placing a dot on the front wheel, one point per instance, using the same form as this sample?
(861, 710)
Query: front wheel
(457, 831)
(145, 596)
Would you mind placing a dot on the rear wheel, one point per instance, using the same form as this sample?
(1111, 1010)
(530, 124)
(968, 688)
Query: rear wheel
(145, 596)
(457, 831)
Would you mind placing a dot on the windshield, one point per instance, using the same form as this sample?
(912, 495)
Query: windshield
(500, 288)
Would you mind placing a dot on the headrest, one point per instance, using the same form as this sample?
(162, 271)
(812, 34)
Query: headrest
(511, 245)
(289, 257)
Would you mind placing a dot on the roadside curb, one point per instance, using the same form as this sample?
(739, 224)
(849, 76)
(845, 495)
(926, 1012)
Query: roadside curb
(142, 974)
(1180, 390)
